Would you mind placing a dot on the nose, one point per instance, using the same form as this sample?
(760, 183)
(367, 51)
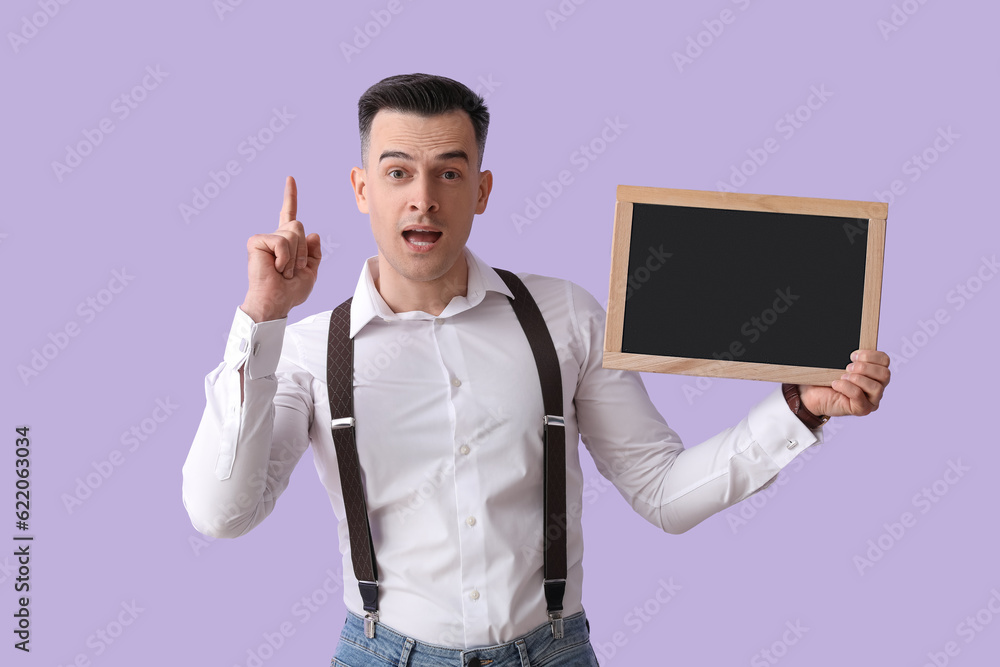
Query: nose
(423, 196)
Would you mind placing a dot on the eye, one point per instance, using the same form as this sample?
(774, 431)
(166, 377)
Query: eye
(451, 175)
(397, 173)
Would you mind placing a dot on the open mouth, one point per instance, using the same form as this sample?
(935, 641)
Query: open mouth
(421, 240)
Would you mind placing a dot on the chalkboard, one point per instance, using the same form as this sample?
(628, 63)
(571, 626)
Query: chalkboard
(758, 287)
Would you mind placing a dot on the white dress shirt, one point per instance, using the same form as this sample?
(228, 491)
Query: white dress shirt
(449, 435)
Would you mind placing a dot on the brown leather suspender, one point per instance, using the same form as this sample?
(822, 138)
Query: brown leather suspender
(340, 384)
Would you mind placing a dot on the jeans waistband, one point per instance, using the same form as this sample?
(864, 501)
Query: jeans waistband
(396, 648)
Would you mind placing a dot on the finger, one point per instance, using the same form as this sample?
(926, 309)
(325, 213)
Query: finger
(315, 248)
(871, 356)
(295, 235)
(272, 244)
(858, 403)
(301, 246)
(877, 372)
(873, 389)
(289, 209)
(293, 243)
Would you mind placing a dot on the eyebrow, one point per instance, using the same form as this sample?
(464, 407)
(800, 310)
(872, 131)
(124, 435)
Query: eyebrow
(442, 157)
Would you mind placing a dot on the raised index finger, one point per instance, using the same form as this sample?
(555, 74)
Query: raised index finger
(288, 209)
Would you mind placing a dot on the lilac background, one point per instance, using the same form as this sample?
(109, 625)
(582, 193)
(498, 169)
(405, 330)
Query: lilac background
(550, 90)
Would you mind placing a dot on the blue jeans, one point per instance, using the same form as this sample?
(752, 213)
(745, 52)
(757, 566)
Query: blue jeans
(536, 649)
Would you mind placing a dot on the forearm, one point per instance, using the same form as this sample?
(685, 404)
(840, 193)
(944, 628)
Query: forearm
(731, 466)
(230, 476)
(676, 488)
(225, 474)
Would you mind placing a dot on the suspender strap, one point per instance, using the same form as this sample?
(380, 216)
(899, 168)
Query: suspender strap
(547, 362)
(340, 386)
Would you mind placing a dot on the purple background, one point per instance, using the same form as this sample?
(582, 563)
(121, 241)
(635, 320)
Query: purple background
(787, 556)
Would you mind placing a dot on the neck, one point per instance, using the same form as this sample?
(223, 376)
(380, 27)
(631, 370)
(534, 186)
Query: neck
(403, 295)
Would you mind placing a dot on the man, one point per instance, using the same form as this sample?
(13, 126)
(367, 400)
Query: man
(449, 411)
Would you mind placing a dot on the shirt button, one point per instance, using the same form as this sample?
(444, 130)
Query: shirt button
(464, 449)
(439, 320)
(471, 521)
(243, 345)
(456, 382)
(792, 444)
(474, 595)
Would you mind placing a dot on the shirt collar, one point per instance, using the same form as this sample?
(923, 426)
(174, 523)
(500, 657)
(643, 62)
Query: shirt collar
(369, 304)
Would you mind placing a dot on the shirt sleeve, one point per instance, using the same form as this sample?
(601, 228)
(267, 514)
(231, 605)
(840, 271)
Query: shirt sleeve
(673, 487)
(243, 454)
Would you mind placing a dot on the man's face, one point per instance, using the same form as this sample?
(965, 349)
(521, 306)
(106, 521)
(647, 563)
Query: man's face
(421, 189)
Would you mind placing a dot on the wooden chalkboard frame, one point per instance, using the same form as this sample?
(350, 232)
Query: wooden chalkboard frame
(875, 212)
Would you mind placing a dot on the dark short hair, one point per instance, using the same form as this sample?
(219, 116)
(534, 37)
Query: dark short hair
(423, 94)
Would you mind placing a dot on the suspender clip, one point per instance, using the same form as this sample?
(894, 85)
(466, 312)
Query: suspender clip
(369, 600)
(554, 420)
(343, 422)
(371, 618)
(556, 623)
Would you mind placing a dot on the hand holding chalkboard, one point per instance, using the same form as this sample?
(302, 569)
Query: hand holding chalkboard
(859, 390)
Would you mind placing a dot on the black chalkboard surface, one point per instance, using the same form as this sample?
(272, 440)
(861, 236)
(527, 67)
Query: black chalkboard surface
(749, 286)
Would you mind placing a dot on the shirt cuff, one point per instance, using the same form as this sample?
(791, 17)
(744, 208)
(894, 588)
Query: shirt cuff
(255, 344)
(778, 431)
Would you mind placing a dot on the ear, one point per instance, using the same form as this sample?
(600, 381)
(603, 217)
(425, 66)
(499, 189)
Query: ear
(358, 176)
(485, 187)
